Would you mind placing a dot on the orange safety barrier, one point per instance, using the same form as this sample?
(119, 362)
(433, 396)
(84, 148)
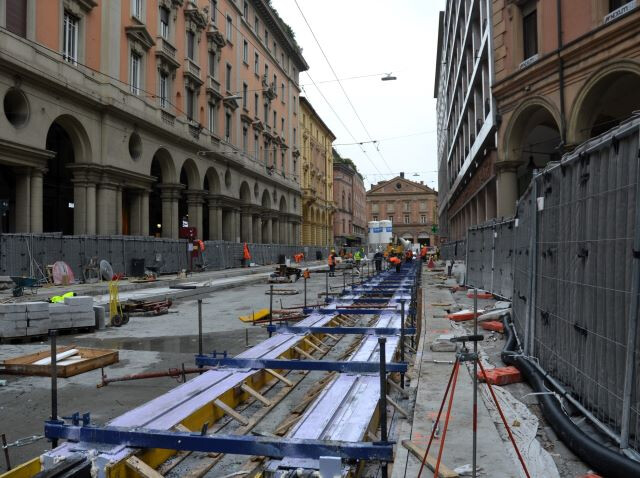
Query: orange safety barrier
(501, 375)
(463, 315)
(493, 325)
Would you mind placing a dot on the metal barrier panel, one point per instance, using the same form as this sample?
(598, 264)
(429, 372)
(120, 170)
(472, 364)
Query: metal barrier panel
(455, 250)
(503, 250)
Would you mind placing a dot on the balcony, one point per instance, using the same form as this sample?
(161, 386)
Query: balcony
(192, 72)
(166, 52)
(213, 88)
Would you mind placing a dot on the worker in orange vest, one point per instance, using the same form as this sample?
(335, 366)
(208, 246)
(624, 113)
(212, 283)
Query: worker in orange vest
(332, 263)
(246, 256)
(423, 253)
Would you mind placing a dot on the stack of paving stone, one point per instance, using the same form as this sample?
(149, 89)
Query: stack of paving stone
(38, 319)
(81, 311)
(13, 320)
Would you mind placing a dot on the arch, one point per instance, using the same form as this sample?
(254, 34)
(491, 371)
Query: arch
(162, 164)
(283, 204)
(532, 138)
(266, 199)
(605, 100)
(78, 135)
(189, 174)
(245, 192)
(212, 181)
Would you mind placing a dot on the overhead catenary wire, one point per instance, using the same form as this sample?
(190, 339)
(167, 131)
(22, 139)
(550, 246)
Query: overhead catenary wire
(340, 84)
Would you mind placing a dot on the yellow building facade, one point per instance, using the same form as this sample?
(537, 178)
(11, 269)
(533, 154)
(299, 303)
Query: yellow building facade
(317, 178)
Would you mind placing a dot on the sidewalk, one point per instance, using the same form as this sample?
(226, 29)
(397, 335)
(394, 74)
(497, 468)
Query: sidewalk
(428, 383)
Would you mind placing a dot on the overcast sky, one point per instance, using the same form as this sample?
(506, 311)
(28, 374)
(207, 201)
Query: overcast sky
(373, 37)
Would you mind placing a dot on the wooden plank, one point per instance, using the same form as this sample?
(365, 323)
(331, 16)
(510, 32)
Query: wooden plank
(397, 388)
(397, 406)
(261, 314)
(283, 379)
(304, 352)
(313, 346)
(94, 359)
(255, 394)
(286, 424)
(230, 411)
(415, 450)
(140, 467)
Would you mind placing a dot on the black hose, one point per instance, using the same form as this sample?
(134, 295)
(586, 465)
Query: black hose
(605, 461)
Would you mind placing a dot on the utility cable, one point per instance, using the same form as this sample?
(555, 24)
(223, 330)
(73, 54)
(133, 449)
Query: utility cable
(340, 83)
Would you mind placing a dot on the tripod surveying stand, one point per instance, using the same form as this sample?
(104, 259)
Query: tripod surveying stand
(464, 355)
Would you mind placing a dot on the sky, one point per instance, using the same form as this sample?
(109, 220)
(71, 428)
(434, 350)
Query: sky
(371, 38)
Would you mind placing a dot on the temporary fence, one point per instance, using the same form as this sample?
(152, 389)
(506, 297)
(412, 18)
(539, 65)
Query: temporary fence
(570, 262)
(455, 250)
(29, 254)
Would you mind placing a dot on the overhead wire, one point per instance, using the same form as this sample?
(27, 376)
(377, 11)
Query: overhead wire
(340, 83)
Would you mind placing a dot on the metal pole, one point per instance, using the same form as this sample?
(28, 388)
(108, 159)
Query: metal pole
(383, 398)
(529, 339)
(6, 452)
(305, 292)
(199, 326)
(475, 383)
(270, 307)
(344, 280)
(402, 340)
(54, 381)
(326, 288)
(629, 372)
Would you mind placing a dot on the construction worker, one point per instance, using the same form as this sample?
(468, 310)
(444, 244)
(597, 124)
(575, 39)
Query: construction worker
(396, 261)
(408, 256)
(423, 253)
(59, 299)
(377, 259)
(332, 263)
(246, 255)
(358, 258)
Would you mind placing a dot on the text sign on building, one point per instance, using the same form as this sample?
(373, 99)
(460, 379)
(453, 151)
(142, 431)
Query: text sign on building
(529, 61)
(623, 10)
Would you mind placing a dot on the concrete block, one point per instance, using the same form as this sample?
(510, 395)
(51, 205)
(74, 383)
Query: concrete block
(59, 309)
(99, 317)
(80, 301)
(12, 324)
(37, 315)
(12, 317)
(37, 330)
(37, 306)
(61, 322)
(19, 332)
(13, 308)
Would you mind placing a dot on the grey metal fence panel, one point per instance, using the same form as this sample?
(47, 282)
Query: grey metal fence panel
(503, 249)
(455, 250)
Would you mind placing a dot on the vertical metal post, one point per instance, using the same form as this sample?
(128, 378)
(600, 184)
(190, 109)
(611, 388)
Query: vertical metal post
(270, 307)
(305, 292)
(475, 383)
(533, 265)
(494, 234)
(6, 452)
(632, 332)
(54, 381)
(326, 288)
(383, 397)
(199, 326)
(352, 278)
(402, 340)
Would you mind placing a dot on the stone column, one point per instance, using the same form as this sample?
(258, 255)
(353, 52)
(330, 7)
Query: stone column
(169, 194)
(79, 207)
(194, 204)
(23, 199)
(236, 225)
(257, 229)
(480, 206)
(107, 207)
(275, 231)
(290, 237)
(490, 205)
(247, 225)
(91, 208)
(266, 221)
(228, 226)
(36, 201)
(118, 218)
(507, 187)
(144, 212)
(215, 220)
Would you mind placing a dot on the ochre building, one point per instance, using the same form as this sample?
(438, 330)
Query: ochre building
(141, 116)
(317, 178)
(412, 207)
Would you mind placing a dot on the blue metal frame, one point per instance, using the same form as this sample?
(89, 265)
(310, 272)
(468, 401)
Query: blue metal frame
(287, 329)
(349, 311)
(283, 364)
(231, 444)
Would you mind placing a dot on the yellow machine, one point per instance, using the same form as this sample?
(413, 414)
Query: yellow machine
(117, 316)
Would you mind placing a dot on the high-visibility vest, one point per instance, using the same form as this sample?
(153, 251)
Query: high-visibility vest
(331, 260)
(245, 252)
(60, 298)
